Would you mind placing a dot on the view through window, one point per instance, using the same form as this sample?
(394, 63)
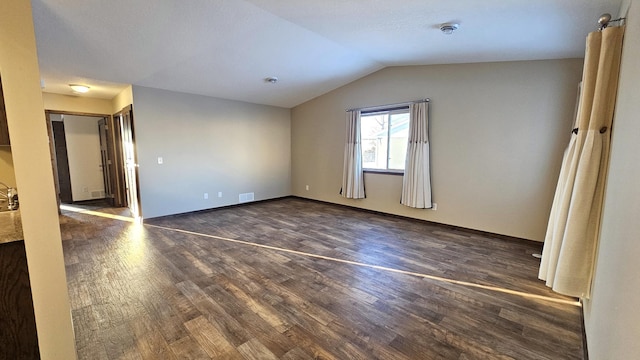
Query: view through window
(384, 139)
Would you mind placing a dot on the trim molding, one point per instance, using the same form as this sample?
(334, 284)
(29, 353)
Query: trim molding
(219, 208)
(452, 227)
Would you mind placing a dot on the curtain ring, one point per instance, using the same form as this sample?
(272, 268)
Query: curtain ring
(603, 130)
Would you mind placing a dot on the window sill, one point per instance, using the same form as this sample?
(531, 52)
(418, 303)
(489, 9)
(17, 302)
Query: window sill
(384, 172)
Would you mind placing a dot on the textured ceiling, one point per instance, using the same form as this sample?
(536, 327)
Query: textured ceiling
(226, 48)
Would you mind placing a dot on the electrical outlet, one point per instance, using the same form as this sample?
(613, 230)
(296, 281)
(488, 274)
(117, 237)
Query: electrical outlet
(206, 196)
(434, 206)
(307, 187)
(219, 194)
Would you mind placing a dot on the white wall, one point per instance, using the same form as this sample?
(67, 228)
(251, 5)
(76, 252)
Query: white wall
(208, 145)
(32, 162)
(612, 316)
(498, 131)
(85, 160)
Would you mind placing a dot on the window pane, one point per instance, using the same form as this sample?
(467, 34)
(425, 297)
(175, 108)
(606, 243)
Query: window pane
(374, 130)
(399, 133)
(384, 139)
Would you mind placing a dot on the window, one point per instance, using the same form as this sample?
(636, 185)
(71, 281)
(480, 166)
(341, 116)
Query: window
(384, 136)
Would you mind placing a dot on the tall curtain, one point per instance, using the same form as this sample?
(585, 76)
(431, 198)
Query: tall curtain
(416, 183)
(573, 232)
(352, 176)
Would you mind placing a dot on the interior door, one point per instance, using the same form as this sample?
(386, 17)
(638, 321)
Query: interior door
(63, 176)
(130, 161)
(118, 165)
(107, 162)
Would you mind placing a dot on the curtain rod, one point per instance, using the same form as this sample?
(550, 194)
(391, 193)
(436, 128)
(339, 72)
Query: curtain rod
(390, 105)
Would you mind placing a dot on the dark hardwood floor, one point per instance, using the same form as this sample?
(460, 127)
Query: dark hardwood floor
(297, 279)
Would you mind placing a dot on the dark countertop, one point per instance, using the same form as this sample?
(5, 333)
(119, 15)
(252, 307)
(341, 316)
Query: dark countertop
(10, 226)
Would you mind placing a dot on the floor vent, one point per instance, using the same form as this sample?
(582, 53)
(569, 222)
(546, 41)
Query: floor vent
(97, 194)
(246, 197)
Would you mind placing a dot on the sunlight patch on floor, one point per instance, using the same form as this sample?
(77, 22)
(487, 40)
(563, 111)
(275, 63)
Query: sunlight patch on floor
(98, 213)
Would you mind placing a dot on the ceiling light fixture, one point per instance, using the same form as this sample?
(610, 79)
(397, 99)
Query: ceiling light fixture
(79, 88)
(271, 80)
(449, 28)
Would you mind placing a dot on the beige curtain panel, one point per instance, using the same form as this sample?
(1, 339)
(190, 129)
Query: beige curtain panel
(352, 176)
(572, 234)
(416, 183)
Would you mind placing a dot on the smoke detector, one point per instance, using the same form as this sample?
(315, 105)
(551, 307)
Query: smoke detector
(449, 28)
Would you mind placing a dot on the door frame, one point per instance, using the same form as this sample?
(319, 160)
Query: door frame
(127, 115)
(52, 150)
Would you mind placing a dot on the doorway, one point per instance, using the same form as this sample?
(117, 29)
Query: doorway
(94, 160)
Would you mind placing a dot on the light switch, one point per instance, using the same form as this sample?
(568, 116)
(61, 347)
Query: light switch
(160, 160)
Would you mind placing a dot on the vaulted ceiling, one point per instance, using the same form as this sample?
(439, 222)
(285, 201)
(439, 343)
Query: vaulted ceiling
(226, 48)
